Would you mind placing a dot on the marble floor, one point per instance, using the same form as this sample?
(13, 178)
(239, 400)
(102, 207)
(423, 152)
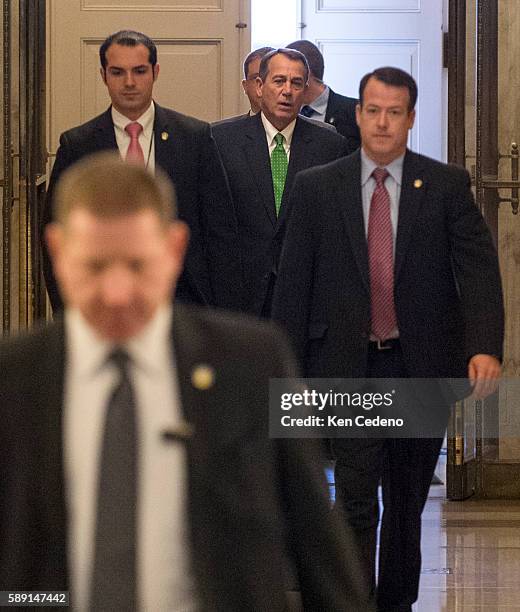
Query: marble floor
(471, 554)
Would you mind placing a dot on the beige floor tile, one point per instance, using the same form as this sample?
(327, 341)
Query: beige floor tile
(471, 556)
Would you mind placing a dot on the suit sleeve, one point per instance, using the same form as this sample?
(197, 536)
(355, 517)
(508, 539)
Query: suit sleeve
(476, 268)
(293, 289)
(64, 159)
(219, 226)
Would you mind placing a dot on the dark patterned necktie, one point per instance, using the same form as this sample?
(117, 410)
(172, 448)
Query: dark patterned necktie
(381, 259)
(113, 584)
(307, 111)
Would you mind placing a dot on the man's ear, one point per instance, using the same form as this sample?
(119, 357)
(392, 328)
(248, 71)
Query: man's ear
(155, 71)
(54, 239)
(358, 113)
(259, 84)
(411, 119)
(178, 239)
(103, 74)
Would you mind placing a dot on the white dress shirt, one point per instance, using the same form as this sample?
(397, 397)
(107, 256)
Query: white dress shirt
(319, 105)
(146, 137)
(392, 184)
(271, 131)
(164, 576)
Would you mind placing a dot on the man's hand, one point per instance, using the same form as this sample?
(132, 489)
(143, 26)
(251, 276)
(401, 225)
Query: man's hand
(484, 374)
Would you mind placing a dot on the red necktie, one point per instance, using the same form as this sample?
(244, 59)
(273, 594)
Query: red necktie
(134, 154)
(381, 259)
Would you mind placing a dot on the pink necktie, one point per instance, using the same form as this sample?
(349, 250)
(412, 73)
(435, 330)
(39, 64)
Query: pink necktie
(134, 154)
(381, 259)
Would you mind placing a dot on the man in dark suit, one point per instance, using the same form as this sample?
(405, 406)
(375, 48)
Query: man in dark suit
(181, 394)
(422, 300)
(247, 146)
(182, 146)
(323, 104)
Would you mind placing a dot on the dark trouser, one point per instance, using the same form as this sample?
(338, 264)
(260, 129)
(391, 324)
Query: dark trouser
(405, 468)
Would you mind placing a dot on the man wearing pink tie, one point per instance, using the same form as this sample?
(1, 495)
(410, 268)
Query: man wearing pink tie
(148, 134)
(389, 272)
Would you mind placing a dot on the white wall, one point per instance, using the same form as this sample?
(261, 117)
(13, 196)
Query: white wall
(274, 23)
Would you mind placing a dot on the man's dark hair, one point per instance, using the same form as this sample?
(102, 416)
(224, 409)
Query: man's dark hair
(128, 38)
(313, 55)
(391, 76)
(292, 54)
(257, 53)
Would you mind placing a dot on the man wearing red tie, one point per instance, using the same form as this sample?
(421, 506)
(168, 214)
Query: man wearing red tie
(389, 271)
(148, 134)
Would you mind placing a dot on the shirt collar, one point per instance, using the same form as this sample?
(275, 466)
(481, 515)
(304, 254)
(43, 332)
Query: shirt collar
(319, 104)
(146, 120)
(152, 348)
(368, 165)
(271, 131)
(87, 352)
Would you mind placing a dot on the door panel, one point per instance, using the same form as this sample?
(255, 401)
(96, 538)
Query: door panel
(200, 50)
(356, 36)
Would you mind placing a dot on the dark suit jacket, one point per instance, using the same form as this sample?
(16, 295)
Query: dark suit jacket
(447, 283)
(243, 147)
(330, 126)
(251, 498)
(185, 150)
(341, 113)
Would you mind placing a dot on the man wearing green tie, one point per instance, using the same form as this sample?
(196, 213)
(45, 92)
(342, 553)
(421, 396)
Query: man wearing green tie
(261, 156)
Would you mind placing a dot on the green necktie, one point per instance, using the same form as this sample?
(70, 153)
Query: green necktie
(278, 170)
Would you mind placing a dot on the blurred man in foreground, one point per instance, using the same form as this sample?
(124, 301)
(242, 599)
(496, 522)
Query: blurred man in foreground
(137, 470)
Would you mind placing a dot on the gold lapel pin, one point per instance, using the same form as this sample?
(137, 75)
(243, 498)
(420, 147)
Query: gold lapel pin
(417, 183)
(203, 377)
(164, 135)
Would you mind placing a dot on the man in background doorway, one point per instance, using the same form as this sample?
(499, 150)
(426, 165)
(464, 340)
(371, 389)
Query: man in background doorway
(251, 70)
(323, 104)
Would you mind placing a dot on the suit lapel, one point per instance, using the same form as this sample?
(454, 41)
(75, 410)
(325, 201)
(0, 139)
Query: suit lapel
(413, 188)
(256, 152)
(104, 134)
(189, 355)
(51, 462)
(330, 111)
(349, 194)
(165, 142)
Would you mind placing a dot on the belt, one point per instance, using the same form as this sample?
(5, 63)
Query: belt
(384, 345)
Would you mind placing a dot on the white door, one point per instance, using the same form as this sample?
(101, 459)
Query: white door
(200, 43)
(356, 36)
